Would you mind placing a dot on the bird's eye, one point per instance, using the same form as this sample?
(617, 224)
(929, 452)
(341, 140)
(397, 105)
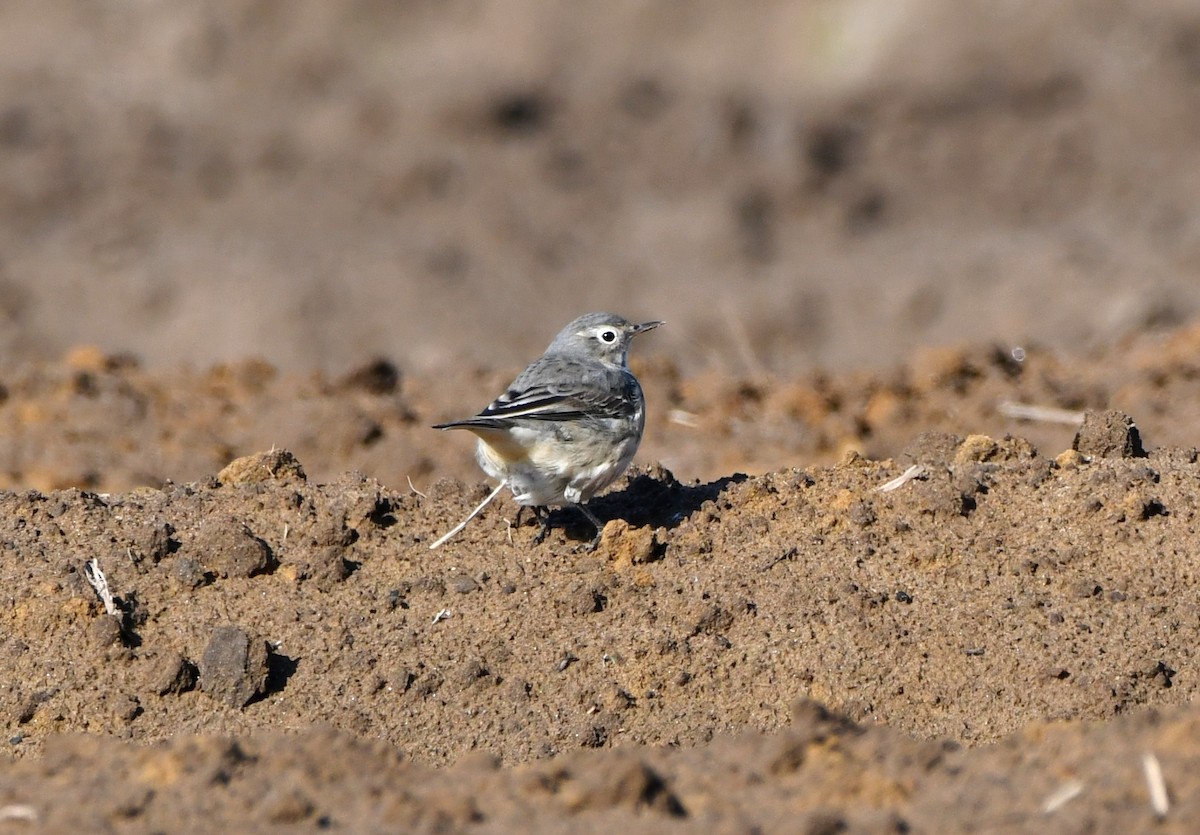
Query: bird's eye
(609, 336)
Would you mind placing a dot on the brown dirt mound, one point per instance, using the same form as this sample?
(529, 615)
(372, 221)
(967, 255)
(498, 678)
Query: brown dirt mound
(992, 592)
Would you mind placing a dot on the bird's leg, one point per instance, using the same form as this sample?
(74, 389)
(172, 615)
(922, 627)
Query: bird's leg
(542, 513)
(596, 522)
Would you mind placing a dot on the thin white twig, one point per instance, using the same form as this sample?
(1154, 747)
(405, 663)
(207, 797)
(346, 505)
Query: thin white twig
(91, 570)
(683, 418)
(18, 812)
(915, 471)
(441, 616)
(1159, 801)
(412, 487)
(1063, 795)
(1042, 414)
(470, 516)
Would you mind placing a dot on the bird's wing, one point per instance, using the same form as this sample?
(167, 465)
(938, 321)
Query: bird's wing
(563, 388)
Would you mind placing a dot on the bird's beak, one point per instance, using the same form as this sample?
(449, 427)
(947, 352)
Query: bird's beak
(645, 326)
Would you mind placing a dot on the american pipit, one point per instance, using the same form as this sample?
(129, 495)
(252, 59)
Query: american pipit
(570, 423)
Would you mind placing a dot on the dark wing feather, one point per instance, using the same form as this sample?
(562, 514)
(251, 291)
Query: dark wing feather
(562, 389)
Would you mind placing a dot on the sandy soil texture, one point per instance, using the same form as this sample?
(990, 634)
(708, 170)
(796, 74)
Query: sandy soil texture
(910, 545)
(1000, 638)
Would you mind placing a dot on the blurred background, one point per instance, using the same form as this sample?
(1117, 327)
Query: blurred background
(815, 183)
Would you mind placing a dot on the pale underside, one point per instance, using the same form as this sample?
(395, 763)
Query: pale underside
(566, 466)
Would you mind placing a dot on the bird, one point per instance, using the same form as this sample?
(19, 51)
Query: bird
(569, 425)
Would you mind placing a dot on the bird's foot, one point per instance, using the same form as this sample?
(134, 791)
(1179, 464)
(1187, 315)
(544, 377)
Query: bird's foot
(597, 524)
(542, 514)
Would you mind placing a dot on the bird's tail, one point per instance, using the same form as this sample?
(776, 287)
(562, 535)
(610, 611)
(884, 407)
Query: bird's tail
(473, 423)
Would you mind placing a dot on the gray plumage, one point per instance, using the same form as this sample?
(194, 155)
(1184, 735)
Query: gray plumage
(569, 424)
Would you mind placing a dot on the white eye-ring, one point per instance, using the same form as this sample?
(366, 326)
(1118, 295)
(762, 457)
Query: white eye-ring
(608, 336)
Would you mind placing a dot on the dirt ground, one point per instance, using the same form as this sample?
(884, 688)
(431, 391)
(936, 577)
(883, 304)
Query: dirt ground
(995, 643)
(910, 544)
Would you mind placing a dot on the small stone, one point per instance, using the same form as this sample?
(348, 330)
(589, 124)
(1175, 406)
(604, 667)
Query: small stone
(233, 669)
(172, 674)
(1108, 435)
(276, 465)
(228, 548)
(105, 631)
(626, 546)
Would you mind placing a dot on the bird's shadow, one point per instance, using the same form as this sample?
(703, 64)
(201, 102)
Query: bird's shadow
(651, 497)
